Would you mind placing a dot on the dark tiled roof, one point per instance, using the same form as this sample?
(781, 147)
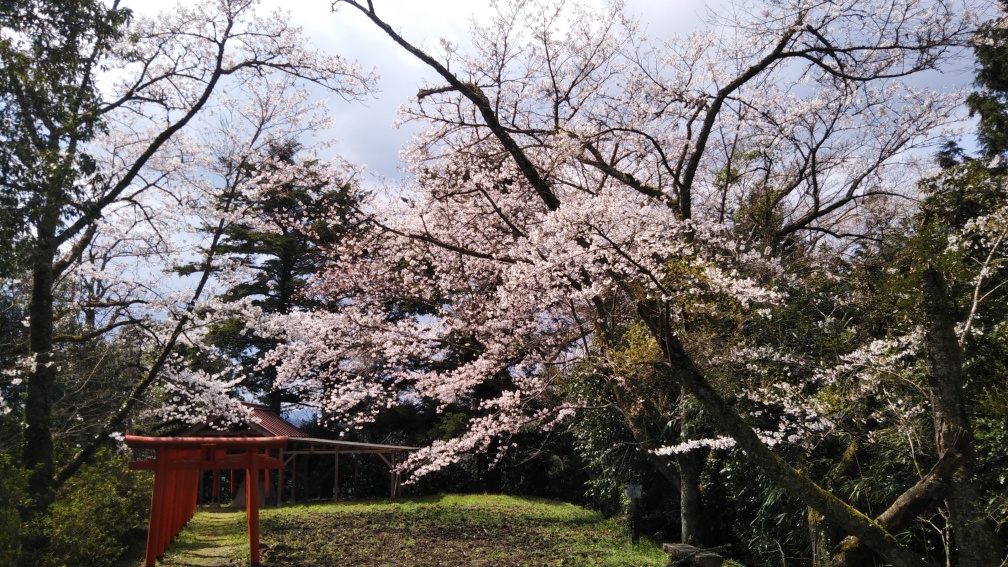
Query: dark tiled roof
(271, 423)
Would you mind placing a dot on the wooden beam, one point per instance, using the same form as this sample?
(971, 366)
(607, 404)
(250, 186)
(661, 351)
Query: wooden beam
(252, 506)
(228, 462)
(191, 443)
(335, 485)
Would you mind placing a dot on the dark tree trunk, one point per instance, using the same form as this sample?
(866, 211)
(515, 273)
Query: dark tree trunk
(907, 507)
(679, 368)
(275, 396)
(819, 538)
(976, 542)
(691, 465)
(37, 452)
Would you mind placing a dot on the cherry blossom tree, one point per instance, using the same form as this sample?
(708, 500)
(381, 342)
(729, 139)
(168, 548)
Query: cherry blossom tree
(113, 114)
(281, 243)
(577, 179)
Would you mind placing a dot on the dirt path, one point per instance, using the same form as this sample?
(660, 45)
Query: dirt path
(212, 539)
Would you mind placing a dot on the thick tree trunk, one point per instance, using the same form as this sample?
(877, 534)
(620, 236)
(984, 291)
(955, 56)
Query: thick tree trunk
(976, 542)
(819, 537)
(907, 506)
(684, 477)
(691, 465)
(679, 368)
(37, 452)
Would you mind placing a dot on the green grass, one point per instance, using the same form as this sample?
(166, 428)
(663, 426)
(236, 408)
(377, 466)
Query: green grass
(480, 530)
(211, 539)
(450, 530)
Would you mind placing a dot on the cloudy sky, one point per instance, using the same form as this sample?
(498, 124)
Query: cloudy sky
(365, 131)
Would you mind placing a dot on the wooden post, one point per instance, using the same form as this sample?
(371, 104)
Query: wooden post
(168, 533)
(196, 481)
(294, 479)
(215, 501)
(252, 505)
(335, 482)
(280, 481)
(390, 461)
(189, 496)
(156, 509)
(392, 476)
(398, 478)
(199, 487)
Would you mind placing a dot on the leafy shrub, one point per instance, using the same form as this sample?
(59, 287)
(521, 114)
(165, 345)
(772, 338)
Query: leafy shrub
(11, 492)
(97, 513)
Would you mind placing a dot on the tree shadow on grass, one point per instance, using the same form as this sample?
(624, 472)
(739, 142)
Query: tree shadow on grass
(212, 538)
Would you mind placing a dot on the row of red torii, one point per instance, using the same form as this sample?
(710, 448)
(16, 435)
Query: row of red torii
(179, 462)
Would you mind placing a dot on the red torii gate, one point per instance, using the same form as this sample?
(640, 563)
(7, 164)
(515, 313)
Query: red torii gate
(177, 467)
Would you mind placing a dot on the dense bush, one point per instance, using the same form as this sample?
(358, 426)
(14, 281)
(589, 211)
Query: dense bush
(97, 514)
(11, 492)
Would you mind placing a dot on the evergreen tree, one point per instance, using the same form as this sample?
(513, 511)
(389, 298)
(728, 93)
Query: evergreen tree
(49, 111)
(990, 100)
(294, 218)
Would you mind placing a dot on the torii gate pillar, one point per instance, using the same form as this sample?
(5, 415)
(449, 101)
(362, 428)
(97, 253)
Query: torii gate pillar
(177, 468)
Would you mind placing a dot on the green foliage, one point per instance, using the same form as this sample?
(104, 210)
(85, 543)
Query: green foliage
(990, 438)
(990, 101)
(604, 442)
(48, 110)
(97, 514)
(760, 521)
(290, 230)
(961, 230)
(12, 486)
(13, 345)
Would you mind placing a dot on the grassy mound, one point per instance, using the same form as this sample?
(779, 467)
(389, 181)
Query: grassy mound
(449, 530)
(444, 530)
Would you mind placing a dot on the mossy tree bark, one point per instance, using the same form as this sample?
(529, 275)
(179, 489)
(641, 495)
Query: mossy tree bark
(819, 537)
(679, 368)
(976, 543)
(908, 506)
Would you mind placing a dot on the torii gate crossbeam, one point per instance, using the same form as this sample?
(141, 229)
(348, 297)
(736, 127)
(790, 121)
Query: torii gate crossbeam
(177, 465)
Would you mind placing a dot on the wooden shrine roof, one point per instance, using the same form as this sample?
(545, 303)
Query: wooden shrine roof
(261, 423)
(272, 423)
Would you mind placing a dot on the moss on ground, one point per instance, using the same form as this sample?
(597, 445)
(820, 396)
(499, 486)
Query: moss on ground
(450, 531)
(480, 530)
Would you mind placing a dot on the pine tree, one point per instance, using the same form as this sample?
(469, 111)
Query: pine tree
(288, 233)
(990, 100)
